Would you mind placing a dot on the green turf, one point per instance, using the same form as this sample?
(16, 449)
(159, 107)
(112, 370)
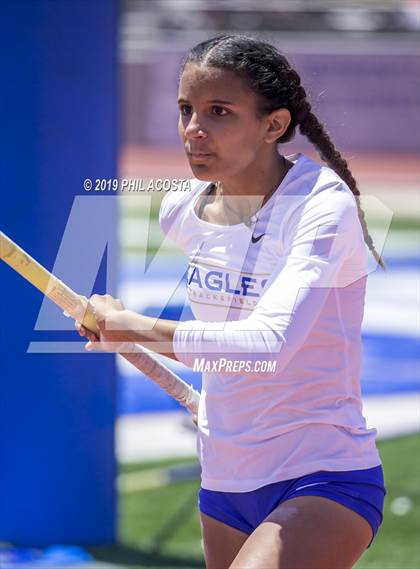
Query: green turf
(143, 516)
(397, 543)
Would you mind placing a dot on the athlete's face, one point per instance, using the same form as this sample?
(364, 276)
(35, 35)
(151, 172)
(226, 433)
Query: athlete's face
(218, 123)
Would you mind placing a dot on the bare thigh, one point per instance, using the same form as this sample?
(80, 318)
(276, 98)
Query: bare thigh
(306, 532)
(221, 542)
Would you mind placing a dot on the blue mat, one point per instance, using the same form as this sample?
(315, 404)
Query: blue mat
(54, 556)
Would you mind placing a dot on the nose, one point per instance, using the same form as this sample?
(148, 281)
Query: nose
(193, 129)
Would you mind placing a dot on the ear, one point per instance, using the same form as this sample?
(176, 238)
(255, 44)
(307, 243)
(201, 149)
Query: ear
(278, 121)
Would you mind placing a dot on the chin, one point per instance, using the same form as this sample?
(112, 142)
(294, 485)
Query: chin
(203, 172)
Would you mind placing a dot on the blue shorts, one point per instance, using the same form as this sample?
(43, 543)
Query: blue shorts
(362, 491)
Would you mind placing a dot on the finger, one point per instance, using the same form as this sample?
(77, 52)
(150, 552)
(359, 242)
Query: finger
(93, 346)
(81, 329)
(98, 301)
(91, 336)
(85, 332)
(119, 303)
(96, 347)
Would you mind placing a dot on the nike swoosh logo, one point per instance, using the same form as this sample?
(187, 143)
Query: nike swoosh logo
(256, 239)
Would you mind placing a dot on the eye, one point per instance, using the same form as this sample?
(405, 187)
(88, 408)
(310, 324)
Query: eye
(219, 111)
(185, 109)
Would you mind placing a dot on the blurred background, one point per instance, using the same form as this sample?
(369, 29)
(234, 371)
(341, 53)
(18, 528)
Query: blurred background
(359, 62)
(360, 68)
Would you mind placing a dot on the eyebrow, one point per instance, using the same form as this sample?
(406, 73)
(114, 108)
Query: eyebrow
(219, 101)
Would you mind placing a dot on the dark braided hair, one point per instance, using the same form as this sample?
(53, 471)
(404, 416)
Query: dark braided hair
(277, 85)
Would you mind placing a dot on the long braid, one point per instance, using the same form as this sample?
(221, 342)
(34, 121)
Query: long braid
(277, 85)
(315, 132)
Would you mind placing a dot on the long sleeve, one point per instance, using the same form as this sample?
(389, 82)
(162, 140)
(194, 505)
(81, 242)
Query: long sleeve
(293, 297)
(321, 236)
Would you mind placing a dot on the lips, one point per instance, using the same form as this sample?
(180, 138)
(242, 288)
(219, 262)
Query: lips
(199, 157)
(199, 154)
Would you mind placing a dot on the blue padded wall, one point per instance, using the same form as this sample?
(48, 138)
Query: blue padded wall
(58, 116)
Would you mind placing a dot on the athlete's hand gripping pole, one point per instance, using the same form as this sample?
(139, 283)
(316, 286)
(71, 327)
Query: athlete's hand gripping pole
(77, 307)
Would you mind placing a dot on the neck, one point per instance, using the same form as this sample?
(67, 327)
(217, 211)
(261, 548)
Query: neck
(246, 193)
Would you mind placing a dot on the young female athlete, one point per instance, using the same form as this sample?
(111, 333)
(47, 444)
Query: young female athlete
(291, 477)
